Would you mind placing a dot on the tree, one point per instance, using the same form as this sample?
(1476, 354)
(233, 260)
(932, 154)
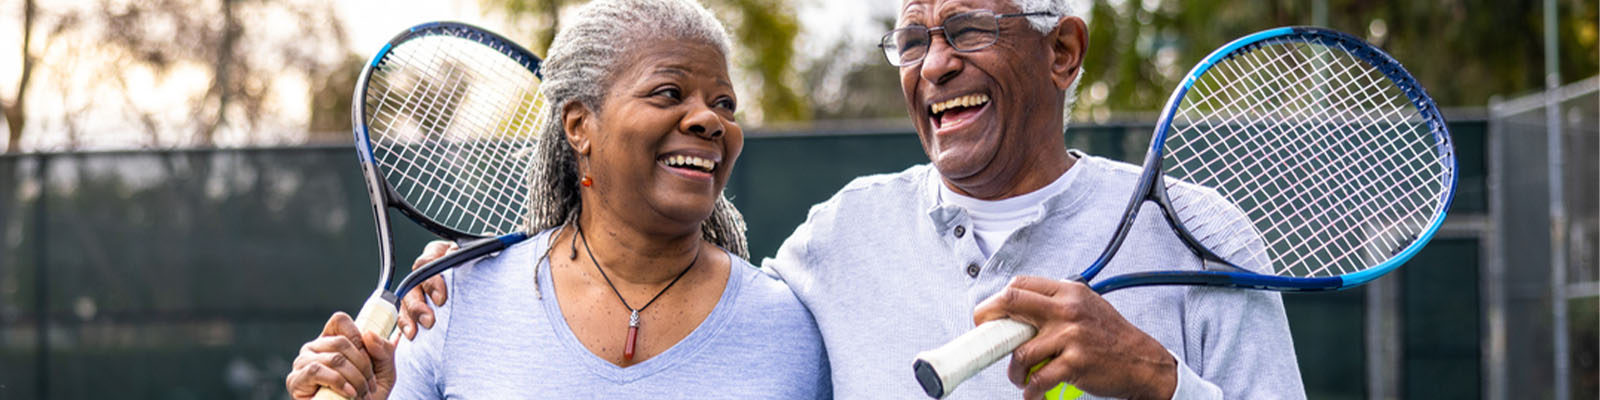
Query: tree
(245, 57)
(1463, 51)
(184, 72)
(15, 112)
(763, 30)
(851, 81)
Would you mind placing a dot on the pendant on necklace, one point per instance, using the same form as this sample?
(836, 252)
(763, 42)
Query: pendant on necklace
(633, 335)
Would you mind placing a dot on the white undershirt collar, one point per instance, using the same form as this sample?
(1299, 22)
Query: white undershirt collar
(995, 220)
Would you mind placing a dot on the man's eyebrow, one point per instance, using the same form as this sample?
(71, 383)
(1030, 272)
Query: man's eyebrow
(906, 18)
(671, 70)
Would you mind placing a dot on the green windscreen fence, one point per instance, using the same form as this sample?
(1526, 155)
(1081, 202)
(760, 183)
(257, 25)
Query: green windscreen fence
(198, 274)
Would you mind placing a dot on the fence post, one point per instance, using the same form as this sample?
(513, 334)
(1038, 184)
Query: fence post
(41, 312)
(1384, 343)
(1558, 211)
(1494, 271)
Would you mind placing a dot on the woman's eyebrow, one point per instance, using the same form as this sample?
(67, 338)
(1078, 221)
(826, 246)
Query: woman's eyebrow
(682, 72)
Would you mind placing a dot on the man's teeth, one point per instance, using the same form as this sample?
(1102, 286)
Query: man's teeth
(691, 162)
(970, 100)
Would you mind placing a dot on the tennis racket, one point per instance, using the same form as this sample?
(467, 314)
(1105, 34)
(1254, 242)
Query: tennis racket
(1319, 145)
(444, 118)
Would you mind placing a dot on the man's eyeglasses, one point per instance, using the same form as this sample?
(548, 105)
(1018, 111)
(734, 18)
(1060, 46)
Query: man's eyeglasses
(966, 32)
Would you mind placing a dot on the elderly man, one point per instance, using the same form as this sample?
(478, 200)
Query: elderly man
(899, 263)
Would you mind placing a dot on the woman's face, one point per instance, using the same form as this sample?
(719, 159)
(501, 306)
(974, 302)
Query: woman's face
(664, 142)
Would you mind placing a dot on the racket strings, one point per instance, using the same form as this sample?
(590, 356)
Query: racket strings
(407, 160)
(437, 199)
(1228, 169)
(1324, 156)
(1319, 136)
(1367, 208)
(430, 181)
(1340, 194)
(1335, 191)
(451, 122)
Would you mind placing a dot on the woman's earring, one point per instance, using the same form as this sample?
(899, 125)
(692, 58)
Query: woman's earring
(586, 182)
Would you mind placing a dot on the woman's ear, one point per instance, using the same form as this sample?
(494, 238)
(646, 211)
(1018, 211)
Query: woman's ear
(578, 123)
(1068, 43)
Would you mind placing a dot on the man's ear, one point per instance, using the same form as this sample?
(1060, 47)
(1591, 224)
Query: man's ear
(1068, 42)
(578, 122)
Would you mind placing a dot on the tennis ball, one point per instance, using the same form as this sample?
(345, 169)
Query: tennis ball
(1063, 392)
(1060, 392)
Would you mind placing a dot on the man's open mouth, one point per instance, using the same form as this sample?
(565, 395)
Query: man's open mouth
(956, 109)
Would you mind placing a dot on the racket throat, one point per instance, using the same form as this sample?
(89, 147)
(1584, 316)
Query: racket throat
(1209, 260)
(1209, 264)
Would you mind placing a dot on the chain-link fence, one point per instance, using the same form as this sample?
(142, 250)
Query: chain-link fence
(197, 274)
(1543, 298)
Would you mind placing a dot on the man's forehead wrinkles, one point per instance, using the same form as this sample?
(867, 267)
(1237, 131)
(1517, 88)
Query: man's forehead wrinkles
(940, 9)
(912, 8)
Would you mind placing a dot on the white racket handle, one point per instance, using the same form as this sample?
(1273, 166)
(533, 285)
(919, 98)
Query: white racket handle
(941, 370)
(377, 316)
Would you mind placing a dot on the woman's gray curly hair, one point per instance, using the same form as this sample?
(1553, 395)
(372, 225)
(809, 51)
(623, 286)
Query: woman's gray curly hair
(583, 58)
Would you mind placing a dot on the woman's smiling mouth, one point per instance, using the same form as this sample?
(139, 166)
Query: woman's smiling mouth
(690, 166)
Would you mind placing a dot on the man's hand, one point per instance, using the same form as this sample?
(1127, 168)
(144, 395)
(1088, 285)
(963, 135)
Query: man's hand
(355, 364)
(1082, 340)
(414, 308)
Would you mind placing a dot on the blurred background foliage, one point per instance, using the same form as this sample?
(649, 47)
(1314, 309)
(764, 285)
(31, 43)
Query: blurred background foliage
(270, 70)
(763, 31)
(1463, 51)
(199, 73)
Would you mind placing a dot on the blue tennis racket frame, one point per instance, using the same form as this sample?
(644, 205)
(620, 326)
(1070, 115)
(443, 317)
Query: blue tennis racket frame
(1151, 189)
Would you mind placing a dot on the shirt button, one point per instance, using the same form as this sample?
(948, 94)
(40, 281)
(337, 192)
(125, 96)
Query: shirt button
(972, 270)
(960, 231)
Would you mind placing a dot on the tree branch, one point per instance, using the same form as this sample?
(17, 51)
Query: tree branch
(16, 112)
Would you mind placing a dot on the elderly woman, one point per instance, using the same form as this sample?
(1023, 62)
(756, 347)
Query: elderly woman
(640, 285)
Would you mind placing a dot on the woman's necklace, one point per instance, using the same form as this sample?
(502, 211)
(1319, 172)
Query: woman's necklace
(633, 318)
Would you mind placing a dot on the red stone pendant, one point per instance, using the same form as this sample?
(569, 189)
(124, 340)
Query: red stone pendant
(633, 336)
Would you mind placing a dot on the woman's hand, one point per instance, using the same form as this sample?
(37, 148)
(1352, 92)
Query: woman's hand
(414, 309)
(355, 364)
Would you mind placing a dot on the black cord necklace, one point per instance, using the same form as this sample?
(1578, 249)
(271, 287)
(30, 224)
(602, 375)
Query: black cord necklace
(633, 318)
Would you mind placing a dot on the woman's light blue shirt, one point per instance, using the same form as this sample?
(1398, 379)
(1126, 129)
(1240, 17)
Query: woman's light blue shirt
(495, 339)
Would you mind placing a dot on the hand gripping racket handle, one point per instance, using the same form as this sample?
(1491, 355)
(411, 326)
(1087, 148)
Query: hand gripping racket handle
(377, 316)
(941, 370)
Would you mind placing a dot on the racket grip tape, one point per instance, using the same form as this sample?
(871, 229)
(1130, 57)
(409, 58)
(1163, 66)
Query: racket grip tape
(377, 316)
(941, 370)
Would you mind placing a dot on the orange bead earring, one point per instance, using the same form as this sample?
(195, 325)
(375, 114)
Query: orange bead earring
(586, 181)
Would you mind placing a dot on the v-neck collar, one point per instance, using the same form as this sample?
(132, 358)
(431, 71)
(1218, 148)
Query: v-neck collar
(684, 349)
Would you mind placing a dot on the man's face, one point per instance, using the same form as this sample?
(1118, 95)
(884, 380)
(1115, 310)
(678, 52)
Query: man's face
(980, 113)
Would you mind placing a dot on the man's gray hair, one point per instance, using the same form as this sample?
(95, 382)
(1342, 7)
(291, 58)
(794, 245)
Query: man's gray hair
(1045, 25)
(585, 56)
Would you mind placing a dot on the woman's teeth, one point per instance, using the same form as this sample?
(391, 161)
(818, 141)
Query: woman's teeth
(681, 161)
